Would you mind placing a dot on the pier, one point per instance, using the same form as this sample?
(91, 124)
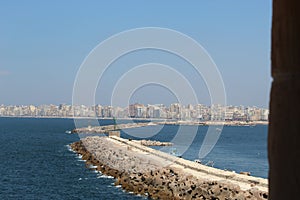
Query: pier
(158, 175)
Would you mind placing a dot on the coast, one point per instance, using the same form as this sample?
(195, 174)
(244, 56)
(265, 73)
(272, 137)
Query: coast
(107, 128)
(157, 121)
(158, 175)
(214, 123)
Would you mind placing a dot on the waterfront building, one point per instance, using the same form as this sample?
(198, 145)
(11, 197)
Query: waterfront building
(137, 110)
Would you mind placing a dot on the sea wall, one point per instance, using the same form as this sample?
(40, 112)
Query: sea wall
(154, 143)
(138, 169)
(107, 128)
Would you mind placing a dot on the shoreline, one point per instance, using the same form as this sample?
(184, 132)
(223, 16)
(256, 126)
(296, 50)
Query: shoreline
(156, 174)
(160, 121)
(107, 128)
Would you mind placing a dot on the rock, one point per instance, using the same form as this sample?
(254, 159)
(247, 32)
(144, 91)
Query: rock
(156, 183)
(246, 173)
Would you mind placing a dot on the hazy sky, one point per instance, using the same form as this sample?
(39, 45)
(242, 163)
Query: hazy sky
(43, 43)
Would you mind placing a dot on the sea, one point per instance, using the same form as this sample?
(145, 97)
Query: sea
(37, 163)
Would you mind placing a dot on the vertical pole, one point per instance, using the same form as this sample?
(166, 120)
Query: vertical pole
(284, 128)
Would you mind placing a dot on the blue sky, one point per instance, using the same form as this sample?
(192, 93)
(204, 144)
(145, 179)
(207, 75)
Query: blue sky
(43, 43)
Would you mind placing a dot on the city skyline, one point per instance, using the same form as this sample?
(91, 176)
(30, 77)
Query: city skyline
(157, 111)
(64, 103)
(41, 53)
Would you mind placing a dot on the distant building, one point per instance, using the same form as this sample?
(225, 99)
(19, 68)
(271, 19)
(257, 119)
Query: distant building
(137, 110)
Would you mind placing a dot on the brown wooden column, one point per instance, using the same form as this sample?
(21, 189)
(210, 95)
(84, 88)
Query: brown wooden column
(284, 129)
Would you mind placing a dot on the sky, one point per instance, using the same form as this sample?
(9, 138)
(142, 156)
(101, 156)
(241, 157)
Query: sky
(43, 44)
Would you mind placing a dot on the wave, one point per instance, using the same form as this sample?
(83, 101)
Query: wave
(69, 148)
(92, 167)
(104, 176)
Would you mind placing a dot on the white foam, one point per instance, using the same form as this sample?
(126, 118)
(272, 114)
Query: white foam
(92, 167)
(104, 176)
(69, 148)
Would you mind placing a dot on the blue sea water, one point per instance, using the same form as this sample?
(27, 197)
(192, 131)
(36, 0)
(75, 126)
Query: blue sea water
(239, 148)
(37, 164)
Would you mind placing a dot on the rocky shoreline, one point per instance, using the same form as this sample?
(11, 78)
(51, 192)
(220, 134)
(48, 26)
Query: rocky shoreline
(150, 177)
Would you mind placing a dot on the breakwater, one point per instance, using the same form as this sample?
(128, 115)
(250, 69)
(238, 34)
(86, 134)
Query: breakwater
(153, 143)
(158, 175)
(106, 129)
